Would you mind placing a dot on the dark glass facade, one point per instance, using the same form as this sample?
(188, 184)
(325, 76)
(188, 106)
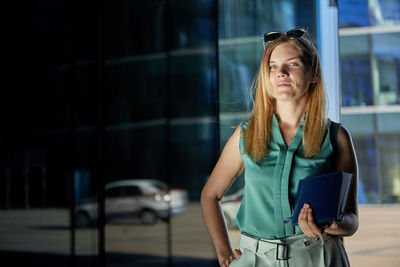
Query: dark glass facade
(108, 90)
(104, 91)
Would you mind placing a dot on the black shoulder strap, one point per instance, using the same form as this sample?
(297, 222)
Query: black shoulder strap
(334, 127)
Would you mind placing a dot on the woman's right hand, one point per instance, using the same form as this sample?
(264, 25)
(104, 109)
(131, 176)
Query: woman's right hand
(235, 255)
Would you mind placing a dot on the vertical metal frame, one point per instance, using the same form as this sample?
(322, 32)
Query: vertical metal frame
(328, 46)
(101, 137)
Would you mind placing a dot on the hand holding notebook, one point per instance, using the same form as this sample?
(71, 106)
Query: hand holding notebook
(326, 194)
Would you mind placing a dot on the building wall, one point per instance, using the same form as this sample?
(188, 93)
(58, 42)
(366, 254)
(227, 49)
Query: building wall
(114, 90)
(369, 38)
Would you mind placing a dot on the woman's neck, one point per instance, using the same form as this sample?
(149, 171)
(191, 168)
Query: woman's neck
(290, 114)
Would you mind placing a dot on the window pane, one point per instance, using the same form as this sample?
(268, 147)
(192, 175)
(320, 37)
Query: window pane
(48, 153)
(369, 37)
(386, 54)
(366, 156)
(160, 73)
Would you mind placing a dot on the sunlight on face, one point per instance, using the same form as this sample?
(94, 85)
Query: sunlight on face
(289, 78)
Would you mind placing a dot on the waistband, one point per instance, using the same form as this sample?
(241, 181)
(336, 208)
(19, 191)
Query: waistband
(283, 249)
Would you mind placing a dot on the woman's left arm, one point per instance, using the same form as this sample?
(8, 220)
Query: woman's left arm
(346, 161)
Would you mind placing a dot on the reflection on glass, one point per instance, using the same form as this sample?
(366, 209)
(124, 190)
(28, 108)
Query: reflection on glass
(386, 68)
(160, 116)
(370, 70)
(389, 146)
(361, 13)
(49, 136)
(147, 200)
(356, 80)
(376, 140)
(34, 223)
(366, 156)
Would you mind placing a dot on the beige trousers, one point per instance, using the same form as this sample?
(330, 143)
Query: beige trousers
(295, 251)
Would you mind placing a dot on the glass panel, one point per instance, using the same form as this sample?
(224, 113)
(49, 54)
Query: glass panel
(370, 72)
(379, 168)
(389, 146)
(355, 65)
(353, 13)
(160, 80)
(83, 83)
(386, 54)
(384, 12)
(366, 155)
(359, 13)
(49, 136)
(135, 89)
(34, 221)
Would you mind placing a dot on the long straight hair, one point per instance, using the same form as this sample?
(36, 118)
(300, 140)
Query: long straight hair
(257, 134)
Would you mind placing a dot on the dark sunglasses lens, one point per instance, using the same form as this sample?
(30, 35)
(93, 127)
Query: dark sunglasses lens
(296, 33)
(268, 37)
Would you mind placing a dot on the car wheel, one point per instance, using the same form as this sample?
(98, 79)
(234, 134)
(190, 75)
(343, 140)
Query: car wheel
(82, 220)
(148, 217)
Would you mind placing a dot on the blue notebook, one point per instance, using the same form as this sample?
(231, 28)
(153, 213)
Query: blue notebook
(327, 195)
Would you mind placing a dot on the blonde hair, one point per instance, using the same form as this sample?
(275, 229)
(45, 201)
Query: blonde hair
(257, 134)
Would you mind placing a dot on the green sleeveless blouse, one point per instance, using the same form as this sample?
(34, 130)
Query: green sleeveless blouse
(271, 184)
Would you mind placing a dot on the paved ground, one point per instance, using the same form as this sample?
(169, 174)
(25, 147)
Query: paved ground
(377, 241)
(46, 232)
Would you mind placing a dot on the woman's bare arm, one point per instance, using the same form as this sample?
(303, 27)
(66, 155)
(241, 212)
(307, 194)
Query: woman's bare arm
(228, 167)
(347, 162)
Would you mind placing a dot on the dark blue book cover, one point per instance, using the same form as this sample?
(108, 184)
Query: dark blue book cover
(326, 194)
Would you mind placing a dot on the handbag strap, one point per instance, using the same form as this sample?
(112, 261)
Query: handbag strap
(334, 128)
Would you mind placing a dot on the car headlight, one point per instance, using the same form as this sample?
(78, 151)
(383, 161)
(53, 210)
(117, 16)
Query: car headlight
(167, 197)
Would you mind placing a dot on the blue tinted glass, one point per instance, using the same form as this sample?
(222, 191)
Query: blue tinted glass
(356, 82)
(370, 71)
(358, 13)
(353, 13)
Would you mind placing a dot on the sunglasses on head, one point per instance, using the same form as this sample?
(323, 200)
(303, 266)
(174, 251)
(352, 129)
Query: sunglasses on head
(295, 33)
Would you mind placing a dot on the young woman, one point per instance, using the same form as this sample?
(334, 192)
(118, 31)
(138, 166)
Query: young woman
(288, 137)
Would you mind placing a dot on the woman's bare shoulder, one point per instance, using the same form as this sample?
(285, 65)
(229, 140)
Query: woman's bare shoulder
(346, 153)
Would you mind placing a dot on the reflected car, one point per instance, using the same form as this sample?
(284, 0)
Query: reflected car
(230, 206)
(145, 199)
